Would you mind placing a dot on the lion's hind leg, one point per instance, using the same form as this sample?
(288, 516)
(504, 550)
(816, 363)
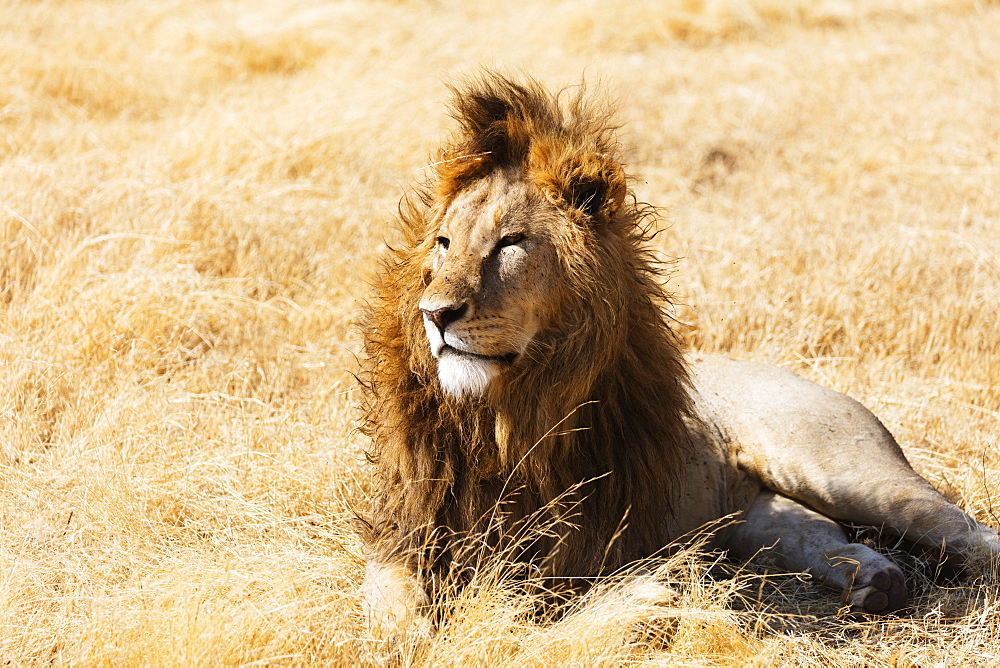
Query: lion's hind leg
(800, 539)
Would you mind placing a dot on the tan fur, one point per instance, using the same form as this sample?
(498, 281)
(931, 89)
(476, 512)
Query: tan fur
(517, 351)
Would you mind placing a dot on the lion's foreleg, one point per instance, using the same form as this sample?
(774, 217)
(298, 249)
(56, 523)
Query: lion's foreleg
(394, 601)
(801, 539)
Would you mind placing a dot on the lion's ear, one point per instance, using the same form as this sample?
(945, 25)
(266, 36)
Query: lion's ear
(497, 117)
(598, 188)
(592, 186)
(484, 118)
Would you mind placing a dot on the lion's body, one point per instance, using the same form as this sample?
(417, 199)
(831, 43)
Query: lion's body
(519, 368)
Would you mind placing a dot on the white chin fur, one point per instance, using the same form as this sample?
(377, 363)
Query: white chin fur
(461, 375)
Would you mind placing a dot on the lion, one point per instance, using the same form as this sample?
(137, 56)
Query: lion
(518, 355)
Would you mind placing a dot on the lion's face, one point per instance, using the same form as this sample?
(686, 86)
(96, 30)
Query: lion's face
(490, 281)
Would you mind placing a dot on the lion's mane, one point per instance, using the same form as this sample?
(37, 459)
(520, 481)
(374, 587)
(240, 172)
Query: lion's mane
(604, 401)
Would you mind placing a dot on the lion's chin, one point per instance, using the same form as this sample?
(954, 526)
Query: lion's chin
(467, 375)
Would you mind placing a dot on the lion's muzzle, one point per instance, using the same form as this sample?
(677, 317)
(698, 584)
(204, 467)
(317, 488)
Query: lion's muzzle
(442, 317)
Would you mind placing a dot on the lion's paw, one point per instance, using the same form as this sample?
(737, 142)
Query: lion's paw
(884, 593)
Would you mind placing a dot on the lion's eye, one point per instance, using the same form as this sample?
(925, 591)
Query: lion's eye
(443, 242)
(510, 240)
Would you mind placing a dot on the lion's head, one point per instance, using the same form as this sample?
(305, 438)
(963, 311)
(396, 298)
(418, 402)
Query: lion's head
(518, 339)
(491, 289)
(525, 198)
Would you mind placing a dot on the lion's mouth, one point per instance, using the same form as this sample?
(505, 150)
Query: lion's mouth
(502, 359)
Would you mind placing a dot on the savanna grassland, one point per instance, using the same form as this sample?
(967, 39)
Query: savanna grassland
(193, 194)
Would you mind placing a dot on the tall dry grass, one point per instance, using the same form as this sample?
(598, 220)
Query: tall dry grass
(191, 196)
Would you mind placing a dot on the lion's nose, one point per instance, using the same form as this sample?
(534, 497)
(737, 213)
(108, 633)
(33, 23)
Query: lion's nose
(443, 317)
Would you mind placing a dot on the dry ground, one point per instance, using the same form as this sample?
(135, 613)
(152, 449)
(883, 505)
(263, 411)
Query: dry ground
(191, 195)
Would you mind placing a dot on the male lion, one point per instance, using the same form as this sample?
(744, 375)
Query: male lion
(518, 364)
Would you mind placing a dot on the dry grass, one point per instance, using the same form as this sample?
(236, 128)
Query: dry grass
(192, 193)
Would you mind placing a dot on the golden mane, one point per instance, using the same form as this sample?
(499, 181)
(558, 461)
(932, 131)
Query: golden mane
(605, 401)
